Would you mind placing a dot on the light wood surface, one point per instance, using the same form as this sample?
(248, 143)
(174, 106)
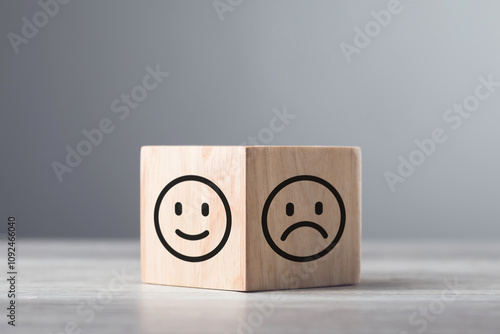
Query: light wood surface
(276, 217)
(398, 279)
(225, 167)
(267, 168)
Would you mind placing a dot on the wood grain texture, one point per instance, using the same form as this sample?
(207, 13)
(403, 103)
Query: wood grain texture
(267, 167)
(325, 206)
(225, 167)
(58, 278)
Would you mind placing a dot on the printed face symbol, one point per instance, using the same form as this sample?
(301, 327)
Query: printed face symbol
(303, 218)
(192, 218)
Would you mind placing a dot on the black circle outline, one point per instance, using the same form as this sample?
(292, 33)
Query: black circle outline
(226, 207)
(265, 211)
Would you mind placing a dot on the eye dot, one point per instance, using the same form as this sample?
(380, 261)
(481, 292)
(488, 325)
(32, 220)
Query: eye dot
(178, 208)
(204, 209)
(289, 209)
(318, 208)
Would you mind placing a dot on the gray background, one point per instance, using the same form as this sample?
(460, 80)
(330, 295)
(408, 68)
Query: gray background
(226, 76)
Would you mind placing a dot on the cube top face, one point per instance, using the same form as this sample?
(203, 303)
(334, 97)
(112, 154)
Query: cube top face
(250, 218)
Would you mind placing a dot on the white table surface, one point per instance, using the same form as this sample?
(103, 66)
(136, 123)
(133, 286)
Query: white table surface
(406, 287)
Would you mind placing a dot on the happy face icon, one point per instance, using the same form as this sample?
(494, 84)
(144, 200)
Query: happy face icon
(303, 218)
(192, 218)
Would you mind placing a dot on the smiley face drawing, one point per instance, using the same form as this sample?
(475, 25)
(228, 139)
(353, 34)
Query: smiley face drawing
(192, 218)
(304, 211)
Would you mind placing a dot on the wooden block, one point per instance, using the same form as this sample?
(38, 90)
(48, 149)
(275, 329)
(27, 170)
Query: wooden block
(316, 191)
(191, 176)
(250, 218)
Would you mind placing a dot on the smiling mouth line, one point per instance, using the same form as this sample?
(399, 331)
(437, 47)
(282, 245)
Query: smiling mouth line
(304, 224)
(200, 236)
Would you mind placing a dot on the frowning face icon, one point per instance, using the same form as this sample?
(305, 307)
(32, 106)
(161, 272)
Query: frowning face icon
(303, 210)
(192, 218)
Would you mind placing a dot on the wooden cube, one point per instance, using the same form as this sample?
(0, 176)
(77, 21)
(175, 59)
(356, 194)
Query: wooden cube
(250, 218)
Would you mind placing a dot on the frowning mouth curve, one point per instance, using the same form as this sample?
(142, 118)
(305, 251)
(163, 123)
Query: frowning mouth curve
(200, 236)
(303, 224)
